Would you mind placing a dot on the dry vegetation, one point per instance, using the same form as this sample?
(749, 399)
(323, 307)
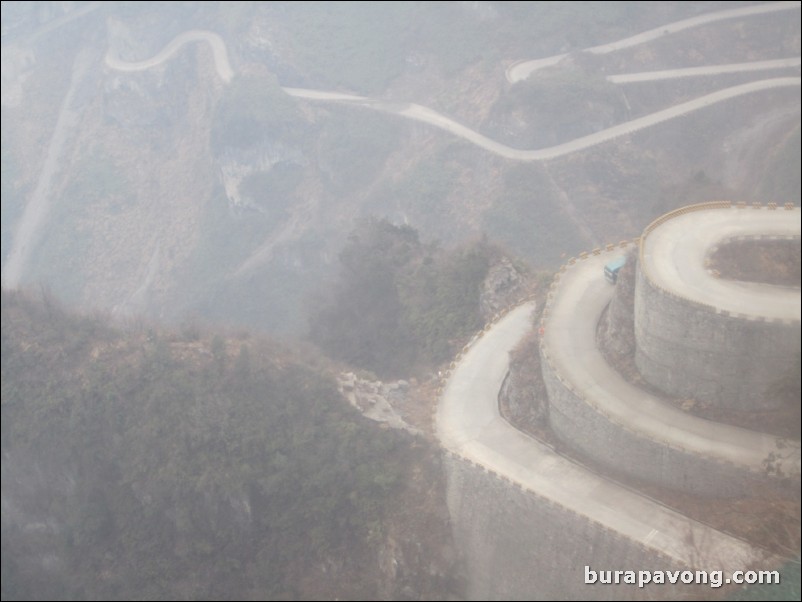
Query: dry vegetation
(197, 465)
(767, 261)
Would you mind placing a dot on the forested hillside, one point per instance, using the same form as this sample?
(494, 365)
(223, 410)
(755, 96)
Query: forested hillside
(399, 304)
(145, 463)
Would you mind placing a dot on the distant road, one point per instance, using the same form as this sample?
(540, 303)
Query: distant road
(570, 342)
(468, 421)
(27, 230)
(219, 50)
(470, 426)
(429, 116)
(521, 70)
(647, 76)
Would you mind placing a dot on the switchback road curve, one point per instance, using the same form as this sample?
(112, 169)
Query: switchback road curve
(431, 117)
(469, 425)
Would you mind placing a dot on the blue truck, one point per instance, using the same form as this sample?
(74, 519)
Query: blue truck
(612, 268)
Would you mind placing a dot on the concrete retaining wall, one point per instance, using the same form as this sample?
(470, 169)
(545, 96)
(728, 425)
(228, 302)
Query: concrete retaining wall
(582, 427)
(689, 350)
(518, 546)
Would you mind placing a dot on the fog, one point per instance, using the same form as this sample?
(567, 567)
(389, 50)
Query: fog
(308, 300)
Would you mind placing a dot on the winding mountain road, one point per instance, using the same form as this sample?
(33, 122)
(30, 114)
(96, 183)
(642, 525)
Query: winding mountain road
(468, 420)
(219, 50)
(521, 70)
(569, 342)
(469, 425)
(431, 117)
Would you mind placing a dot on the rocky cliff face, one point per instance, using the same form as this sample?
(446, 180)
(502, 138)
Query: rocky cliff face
(617, 328)
(523, 397)
(503, 286)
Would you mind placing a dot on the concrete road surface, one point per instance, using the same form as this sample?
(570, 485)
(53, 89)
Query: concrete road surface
(570, 342)
(523, 69)
(469, 425)
(432, 117)
(674, 258)
(219, 50)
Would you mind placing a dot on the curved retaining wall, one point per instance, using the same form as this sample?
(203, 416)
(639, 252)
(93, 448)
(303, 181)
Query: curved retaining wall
(578, 423)
(689, 349)
(619, 440)
(520, 539)
(515, 545)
